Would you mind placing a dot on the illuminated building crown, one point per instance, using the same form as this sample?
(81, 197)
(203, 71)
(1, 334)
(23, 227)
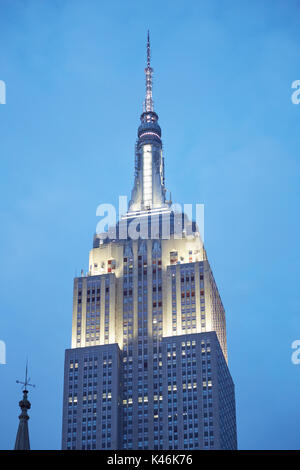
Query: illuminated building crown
(149, 186)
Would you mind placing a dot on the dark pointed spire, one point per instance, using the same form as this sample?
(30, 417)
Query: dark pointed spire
(22, 439)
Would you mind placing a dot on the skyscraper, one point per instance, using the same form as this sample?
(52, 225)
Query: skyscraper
(147, 368)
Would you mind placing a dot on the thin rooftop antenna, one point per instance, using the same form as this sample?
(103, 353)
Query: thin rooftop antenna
(148, 50)
(148, 103)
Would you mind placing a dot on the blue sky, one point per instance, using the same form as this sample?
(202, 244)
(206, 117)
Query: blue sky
(75, 85)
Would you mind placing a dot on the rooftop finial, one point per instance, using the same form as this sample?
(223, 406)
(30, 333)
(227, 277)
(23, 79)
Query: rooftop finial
(26, 381)
(148, 104)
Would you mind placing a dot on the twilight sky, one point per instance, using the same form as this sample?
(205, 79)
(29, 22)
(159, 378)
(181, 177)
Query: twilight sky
(74, 73)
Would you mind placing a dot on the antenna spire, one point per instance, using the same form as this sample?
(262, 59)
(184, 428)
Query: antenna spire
(148, 49)
(148, 103)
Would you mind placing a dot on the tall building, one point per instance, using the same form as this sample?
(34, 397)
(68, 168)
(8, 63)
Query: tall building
(147, 368)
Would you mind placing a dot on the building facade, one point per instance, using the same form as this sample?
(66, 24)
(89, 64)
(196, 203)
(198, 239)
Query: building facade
(147, 368)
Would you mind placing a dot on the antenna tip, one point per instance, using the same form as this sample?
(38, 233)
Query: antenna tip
(148, 49)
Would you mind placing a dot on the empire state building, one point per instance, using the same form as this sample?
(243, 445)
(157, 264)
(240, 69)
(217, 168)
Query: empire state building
(147, 367)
